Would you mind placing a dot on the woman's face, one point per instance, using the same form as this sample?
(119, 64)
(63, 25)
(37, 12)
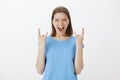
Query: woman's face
(60, 23)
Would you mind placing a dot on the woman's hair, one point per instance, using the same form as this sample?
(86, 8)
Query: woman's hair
(69, 30)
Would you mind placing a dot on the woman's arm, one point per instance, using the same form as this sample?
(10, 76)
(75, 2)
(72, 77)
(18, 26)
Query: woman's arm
(78, 62)
(40, 63)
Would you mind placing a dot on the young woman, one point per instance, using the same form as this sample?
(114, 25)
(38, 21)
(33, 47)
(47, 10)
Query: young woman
(60, 55)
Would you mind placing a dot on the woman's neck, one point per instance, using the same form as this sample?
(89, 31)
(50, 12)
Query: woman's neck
(61, 37)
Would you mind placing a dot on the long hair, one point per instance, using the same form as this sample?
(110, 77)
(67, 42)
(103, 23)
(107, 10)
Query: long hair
(69, 30)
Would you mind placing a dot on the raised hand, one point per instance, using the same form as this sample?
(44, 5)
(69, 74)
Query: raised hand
(79, 38)
(41, 38)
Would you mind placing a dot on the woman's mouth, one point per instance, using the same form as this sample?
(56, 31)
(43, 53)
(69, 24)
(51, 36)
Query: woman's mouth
(60, 28)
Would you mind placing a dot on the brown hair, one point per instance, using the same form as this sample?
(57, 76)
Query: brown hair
(69, 30)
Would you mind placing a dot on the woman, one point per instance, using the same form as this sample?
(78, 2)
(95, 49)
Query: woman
(60, 55)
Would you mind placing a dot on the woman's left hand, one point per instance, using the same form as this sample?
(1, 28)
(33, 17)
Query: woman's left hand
(79, 38)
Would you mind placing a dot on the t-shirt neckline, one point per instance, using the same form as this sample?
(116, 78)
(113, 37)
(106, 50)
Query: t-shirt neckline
(61, 40)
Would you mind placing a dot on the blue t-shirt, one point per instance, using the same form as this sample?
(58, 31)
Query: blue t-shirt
(60, 56)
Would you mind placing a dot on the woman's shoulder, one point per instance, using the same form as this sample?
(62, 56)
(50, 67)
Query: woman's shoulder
(48, 38)
(72, 37)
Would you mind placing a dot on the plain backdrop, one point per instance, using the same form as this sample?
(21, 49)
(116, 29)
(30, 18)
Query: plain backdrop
(20, 20)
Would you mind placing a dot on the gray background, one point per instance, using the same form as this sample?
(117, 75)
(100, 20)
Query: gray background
(20, 19)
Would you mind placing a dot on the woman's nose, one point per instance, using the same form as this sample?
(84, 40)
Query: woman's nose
(60, 23)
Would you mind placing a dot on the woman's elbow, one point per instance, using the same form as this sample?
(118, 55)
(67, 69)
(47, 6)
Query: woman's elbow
(77, 72)
(39, 70)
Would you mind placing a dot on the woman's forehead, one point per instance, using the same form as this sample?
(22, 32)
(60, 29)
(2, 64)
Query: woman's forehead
(60, 15)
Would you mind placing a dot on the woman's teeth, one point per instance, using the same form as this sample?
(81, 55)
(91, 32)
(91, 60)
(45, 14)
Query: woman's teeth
(60, 29)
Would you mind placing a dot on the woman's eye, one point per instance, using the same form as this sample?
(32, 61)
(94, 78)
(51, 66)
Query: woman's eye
(56, 20)
(64, 20)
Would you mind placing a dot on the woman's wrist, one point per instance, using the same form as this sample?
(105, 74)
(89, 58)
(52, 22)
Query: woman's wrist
(79, 46)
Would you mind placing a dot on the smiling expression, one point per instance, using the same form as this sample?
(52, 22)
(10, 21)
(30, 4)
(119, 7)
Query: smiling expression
(60, 22)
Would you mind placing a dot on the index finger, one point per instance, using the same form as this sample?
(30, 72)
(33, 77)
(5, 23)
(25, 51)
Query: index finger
(39, 34)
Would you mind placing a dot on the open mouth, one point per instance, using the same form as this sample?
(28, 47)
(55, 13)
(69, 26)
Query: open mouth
(61, 29)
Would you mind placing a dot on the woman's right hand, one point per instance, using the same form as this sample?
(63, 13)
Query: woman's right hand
(41, 38)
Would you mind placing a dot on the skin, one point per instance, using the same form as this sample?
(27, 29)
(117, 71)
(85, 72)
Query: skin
(60, 20)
